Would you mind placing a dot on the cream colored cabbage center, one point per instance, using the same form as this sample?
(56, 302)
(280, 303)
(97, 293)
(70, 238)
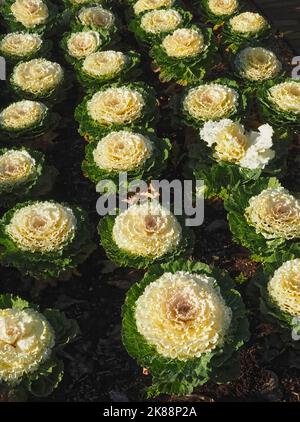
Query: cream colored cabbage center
(42, 227)
(122, 151)
(211, 101)
(223, 7)
(26, 341)
(104, 63)
(143, 5)
(183, 315)
(275, 213)
(257, 64)
(96, 16)
(81, 44)
(37, 76)
(158, 21)
(20, 43)
(184, 42)
(286, 96)
(147, 230)
(30, 13)
(116, 106)
(15, 167)
(22, 114)
(284, 287)
(248, 22)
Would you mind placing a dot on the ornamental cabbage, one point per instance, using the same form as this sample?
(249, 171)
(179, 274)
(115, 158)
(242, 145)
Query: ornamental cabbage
(279, 103)
(38, 79)
(23, 173)
(214, 100)
(45, 239)
(183, 322)
(256, 64)
(217, 11)
(265, 218)
(29, 341)
(26, 119)
(114, 107)
(143, 234)
(31, 15)
(17, 46)
(184, 55)
(140, 155)
(107, 66)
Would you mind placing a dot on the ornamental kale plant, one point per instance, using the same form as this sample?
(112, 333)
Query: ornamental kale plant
(144, 234)
(45, 239)
(265, 218)
(29, 342)
(185, 323)
(115, 107)
(24, 174)
(140, 154)
(184, 55)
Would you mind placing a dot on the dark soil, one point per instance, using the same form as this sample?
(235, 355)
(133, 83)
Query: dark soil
(97, 367)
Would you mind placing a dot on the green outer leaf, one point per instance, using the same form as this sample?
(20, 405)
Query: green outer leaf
(43, 51)
(288, 121)
(126, 259)
(46, 378)
(49, 121)
(187, 119)
(173, 376)
(39, 183)
(189, 70)
(129, 72)
(223, 178)
(54, 95)
(104, 40)
(152, 168)
(210, 17)
(55, 264)
(93, 130)
(263, 250)
(147, 38)
(14, 25)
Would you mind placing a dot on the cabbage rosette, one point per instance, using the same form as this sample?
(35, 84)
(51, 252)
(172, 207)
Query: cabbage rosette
(151, 26)
(279, 104)
(107, 66)
(219, 11)
(184, 55)
(39, 79)
(26, 119)
(29, 15)
(115, 106)
(20, 46)
(29, 344)
(215, 100)
(96, 18)
(185, 323)
(23, 174)
(255, 64)
(233, 156)
(246, 27)
(143, 234)
(265, 218)
(138, 7)
(45, 239)
(140, 154)
(77, 45)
